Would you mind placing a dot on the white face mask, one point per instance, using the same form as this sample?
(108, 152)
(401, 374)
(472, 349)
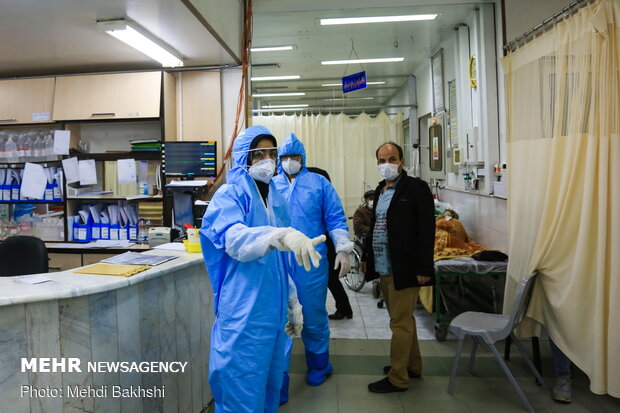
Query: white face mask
(370, 204)
(263, 170)
(389, 171)
(291, 166)
(448, 218)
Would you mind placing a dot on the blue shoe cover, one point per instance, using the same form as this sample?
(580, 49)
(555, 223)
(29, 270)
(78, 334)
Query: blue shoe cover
(284, 389)
(316, 377)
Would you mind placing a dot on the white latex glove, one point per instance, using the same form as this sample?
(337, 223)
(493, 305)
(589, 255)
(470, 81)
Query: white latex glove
(342, 261)
(295, 321)
(303, 247)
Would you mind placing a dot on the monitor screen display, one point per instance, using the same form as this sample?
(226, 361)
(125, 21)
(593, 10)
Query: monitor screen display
(189, 159)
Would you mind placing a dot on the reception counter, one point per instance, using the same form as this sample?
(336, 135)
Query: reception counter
(112, 327)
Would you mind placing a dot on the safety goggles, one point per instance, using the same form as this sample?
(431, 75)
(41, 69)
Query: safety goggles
(264, 153)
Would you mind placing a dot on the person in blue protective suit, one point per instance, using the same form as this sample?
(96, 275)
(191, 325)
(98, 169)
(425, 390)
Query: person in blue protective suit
(315, 209)
(243, 230)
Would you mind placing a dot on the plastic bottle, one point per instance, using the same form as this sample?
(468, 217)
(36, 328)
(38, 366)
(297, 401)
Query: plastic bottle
(143, 232)
(11, 149)
(48, 146)
(37, 149)
(21, 147)
(3, 140)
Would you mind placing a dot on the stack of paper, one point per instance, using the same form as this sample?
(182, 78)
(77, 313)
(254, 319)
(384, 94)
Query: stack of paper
(135, 258)
(145, 145)
(113, 269)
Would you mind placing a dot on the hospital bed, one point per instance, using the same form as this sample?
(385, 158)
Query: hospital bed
(464, 284)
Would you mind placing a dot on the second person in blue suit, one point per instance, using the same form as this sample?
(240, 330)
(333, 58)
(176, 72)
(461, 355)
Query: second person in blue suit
(315, 209)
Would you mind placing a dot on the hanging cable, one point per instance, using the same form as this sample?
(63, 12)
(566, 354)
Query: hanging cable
(247, 40)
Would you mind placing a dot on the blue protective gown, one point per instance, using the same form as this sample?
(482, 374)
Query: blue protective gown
(315, 209)
(250, 288)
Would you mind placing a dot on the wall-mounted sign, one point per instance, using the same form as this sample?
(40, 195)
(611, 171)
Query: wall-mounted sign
(354, 82)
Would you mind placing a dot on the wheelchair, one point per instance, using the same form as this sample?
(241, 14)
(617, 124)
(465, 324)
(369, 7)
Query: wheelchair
(355, 278)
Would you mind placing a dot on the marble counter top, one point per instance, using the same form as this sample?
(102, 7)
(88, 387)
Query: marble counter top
(68, 284)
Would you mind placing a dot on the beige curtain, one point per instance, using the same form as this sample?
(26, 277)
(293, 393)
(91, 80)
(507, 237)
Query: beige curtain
(343, 146)
(563, 103)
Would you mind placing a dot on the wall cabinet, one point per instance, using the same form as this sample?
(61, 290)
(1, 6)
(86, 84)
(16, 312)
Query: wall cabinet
(26, 100)
(109, 96)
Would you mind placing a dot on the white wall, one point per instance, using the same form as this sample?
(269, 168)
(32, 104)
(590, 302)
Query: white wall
(522, 15)
(226, 22)
(231, 82)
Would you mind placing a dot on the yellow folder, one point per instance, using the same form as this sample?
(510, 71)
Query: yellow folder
(113, 269)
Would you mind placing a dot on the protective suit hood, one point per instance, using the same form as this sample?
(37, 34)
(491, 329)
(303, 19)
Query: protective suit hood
(292, 146)
(240, 151)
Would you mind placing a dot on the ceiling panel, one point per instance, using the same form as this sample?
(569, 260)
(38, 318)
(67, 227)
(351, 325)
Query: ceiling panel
(41, 37)
(415, 41)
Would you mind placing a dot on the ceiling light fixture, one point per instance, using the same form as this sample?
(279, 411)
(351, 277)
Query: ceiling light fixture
(265, 78)
(303, 105)
(140, 40)
(265, 95)
(354, 61)
(340, 84)
(376, 19)
(271, 48)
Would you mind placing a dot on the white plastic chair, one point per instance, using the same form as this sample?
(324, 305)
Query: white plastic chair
(491, 328)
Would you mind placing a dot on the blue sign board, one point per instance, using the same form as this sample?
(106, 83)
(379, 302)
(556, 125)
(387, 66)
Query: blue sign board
(354, 82)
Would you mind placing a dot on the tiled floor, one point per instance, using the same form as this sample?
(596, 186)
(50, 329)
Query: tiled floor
(371, 322)
(358, 362)
(359, 349)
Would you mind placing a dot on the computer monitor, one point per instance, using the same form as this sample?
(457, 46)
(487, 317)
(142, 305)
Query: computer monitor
(189, 159)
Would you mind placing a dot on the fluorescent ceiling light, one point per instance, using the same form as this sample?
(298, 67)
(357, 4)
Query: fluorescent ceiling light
(142, 42)
(271, 48)
(377, 19)
(334, 99)
(340, 84)
(354, 61)
(288, 106)
(264, 95)
(263, 78)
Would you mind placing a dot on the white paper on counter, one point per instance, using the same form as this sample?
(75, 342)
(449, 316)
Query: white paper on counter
(126, 171)
(70, 166)
(172, 246)
(34, 279)
(61, 142)
(33, 181)
(105, 243)
(87, 172)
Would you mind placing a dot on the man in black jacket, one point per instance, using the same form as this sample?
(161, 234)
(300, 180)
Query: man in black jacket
(399, 251)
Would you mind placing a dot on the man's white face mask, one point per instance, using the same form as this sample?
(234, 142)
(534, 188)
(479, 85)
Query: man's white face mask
(370, 204)
(389, 171)
(291, 166)
(448, 218)
(263, 170)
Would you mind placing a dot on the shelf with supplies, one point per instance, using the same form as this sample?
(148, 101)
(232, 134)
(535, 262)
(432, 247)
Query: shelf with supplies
(31, 202)
(97, 171)
(135, 198)
(114, 156)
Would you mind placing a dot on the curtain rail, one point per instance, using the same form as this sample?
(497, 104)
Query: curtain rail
(546, 24)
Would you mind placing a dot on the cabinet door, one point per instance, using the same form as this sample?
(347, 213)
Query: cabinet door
(113, 96)
(26, 100)
(63, 262)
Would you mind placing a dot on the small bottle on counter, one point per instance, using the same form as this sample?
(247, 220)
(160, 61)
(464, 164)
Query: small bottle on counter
(143, 232)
